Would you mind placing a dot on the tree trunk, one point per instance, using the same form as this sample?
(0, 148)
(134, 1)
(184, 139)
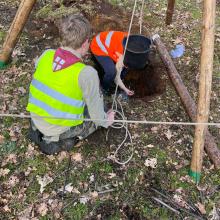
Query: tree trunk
(170, 10)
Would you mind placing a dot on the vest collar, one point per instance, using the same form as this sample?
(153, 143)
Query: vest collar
(65, 57)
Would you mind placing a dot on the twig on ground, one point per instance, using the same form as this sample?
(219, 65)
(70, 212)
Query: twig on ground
(106, 191)
(193, 210)
(166, 197)
(67, 175)
(166, 205)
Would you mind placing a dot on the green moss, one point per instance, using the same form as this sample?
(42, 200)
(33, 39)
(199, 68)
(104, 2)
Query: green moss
(113, 2)
(48, 12)
(38, 163)
(98, 168)
(2, 36)
(196, 13)
(158, 153)
(32, 192)
(132, 174)
(215, 178)
(43, 12)
(116, 216)
(8, 147)
(77, 212)
(8, 121)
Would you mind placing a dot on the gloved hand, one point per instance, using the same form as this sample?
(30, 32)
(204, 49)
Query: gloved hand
(110, 117)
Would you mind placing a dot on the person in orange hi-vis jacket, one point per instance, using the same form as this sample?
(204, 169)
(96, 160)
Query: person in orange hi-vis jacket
(108, 49)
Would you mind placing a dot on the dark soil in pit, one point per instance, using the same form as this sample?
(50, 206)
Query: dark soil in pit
(148, 81)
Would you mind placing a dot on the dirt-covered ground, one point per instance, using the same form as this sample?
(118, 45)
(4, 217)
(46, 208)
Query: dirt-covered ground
(31, 184)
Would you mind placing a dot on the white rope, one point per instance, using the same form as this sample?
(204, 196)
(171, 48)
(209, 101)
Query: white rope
(23, 116)
(127, 134)
(126, 45)
(114, 103)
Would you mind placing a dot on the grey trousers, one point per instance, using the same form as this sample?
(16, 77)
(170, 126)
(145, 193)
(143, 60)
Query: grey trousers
(81, 131)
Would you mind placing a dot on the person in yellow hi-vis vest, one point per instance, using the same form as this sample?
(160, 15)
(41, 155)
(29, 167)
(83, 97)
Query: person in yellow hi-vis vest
(63, 91)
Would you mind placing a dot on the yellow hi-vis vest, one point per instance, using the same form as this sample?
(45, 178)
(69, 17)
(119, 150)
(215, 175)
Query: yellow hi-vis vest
(56, 94)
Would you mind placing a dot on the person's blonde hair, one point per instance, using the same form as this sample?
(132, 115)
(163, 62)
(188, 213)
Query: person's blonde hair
(74, 31)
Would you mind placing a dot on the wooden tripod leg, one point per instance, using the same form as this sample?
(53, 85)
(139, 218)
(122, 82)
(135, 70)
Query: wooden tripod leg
(170, 10)
(15, 30)
(205, 84)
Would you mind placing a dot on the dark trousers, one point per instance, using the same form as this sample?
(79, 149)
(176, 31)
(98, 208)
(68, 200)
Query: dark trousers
(109, 72)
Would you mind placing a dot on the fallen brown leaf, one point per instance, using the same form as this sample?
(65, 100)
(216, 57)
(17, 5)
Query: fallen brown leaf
(1, 139)
(77, 157)
(4, 172)
(6, 209)
(13, 180)
(201, 208)
(42, 209)
(94, 194)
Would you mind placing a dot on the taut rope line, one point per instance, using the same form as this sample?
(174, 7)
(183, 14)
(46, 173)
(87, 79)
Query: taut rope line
(23, 116)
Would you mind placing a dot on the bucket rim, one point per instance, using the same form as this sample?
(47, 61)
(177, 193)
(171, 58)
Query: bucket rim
(140, 35)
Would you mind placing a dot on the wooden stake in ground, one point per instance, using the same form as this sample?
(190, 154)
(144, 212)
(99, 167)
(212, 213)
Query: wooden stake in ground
(205, 84)
(15, 30)
(170, 10)
(210, 146)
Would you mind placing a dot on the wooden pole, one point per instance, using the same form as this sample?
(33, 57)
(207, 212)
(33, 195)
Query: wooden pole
(205, 84)
(210, 146)
(15, 30)
(170, 10)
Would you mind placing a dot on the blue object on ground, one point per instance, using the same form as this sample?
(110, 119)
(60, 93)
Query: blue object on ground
(124, 97)
(178, 51)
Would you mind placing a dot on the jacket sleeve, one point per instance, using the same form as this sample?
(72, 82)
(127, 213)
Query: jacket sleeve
(90, 85)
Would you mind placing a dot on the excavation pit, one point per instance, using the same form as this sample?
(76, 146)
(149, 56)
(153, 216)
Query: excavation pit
(148, 81)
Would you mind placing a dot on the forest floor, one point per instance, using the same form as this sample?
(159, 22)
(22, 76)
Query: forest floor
(31, 183)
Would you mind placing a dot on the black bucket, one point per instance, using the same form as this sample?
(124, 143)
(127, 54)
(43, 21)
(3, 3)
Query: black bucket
(137, 51)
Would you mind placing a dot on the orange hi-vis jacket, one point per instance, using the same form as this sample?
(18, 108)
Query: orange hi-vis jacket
(108, 43)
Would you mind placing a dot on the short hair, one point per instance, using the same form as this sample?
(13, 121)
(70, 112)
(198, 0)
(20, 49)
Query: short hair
(74, 30)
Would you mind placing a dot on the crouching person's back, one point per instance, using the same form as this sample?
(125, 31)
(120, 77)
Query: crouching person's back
(64, 91)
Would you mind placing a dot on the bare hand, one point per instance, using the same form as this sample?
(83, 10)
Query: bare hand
(129, 92)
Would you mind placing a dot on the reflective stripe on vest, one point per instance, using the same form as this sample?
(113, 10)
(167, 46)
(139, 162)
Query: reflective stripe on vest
(108, 38)
(56, 95)
(107, 41)
(100, 44)
(52, 111)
